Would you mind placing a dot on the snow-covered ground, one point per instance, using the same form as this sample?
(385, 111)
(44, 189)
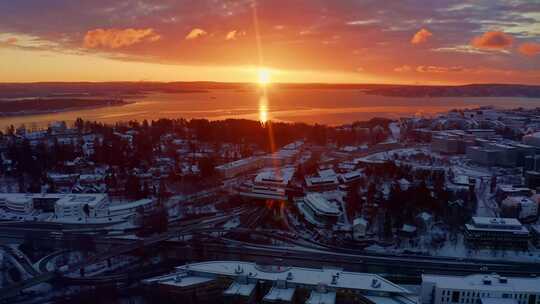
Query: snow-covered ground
(457, 249)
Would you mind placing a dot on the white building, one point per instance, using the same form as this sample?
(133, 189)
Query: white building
(479, 288)
(319, 285)
(80, 206)
(270, 184)
(520, 207)
(501, 232)
(240, 166)
(318, 210)
(360, 226)
(325, 180)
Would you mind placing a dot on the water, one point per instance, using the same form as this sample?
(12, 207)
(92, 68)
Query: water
(331, 106)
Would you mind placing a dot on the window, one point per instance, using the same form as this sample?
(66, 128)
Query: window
(455, 297)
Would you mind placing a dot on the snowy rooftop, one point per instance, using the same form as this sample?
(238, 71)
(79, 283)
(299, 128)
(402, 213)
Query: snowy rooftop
(276, 176)
(319, 180)
(320, 204)
(495, 222)
(240, 289)
(238, 163)
(78, 199)
(479, 282)
(179, 280)
(297, 275)
(130, 205)
(321, 298)
(279, 295)
(352, 175)
(360, 221)
(327, 173)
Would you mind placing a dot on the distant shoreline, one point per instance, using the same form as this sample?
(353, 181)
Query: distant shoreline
(105, 89)
(27, 106)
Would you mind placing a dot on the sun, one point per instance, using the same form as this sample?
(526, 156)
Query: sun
(264, 76)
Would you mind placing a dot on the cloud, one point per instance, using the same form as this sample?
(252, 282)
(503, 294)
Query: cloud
(234, 34)
(118, 38)
(196, 33)
(363, 22)
(438, 69)
(403, 68)
(11, 40)
(493, 40)
(421, 36)
(529, 49)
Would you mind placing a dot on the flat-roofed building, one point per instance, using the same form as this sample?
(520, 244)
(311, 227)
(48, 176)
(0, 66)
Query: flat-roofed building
(80, 206)
(284, 283)
(504, 190)
(520, 207)
(324, 181)
(269, 184)
(240, 166)
(322, 297)
(240, 292)
(483, 155)
(447, 144)
(481, 133)
(496, 232)
(318, 210)
(479, 288)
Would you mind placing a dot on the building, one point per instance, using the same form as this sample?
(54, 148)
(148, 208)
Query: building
(483, 155)
(318, 210)
(479, 288)
(423, 221)
(520, 207)
(269, 184)
(80, 206)
(447, 143)
(532, 179)
(496, 232)
(351, 177)
(280, 284)
(503, 191)
(532, 139)
(326, 180)
(360, 226)
(240, 166)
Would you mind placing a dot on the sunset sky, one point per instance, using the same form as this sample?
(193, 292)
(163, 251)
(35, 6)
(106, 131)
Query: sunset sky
(351, 41)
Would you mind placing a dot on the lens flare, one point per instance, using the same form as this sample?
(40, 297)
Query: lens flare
(263, 109)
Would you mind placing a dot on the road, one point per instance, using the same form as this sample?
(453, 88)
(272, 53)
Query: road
(131, 245)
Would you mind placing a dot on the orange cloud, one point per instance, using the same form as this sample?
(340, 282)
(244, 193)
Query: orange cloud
(403, 68)
(421, 36)
(529, 49)
(11, 40)
(195, 33)
(118, 38)
(493, 40)
(234, 34)
(438, 69)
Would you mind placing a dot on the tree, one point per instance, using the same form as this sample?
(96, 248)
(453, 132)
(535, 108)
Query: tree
(206, 167)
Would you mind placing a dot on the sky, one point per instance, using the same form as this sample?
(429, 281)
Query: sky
(333, 41)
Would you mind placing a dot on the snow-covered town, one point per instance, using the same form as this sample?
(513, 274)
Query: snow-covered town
(81, 202)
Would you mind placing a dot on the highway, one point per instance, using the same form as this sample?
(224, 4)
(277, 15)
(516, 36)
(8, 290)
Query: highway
(293, 250)
(129, 246)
